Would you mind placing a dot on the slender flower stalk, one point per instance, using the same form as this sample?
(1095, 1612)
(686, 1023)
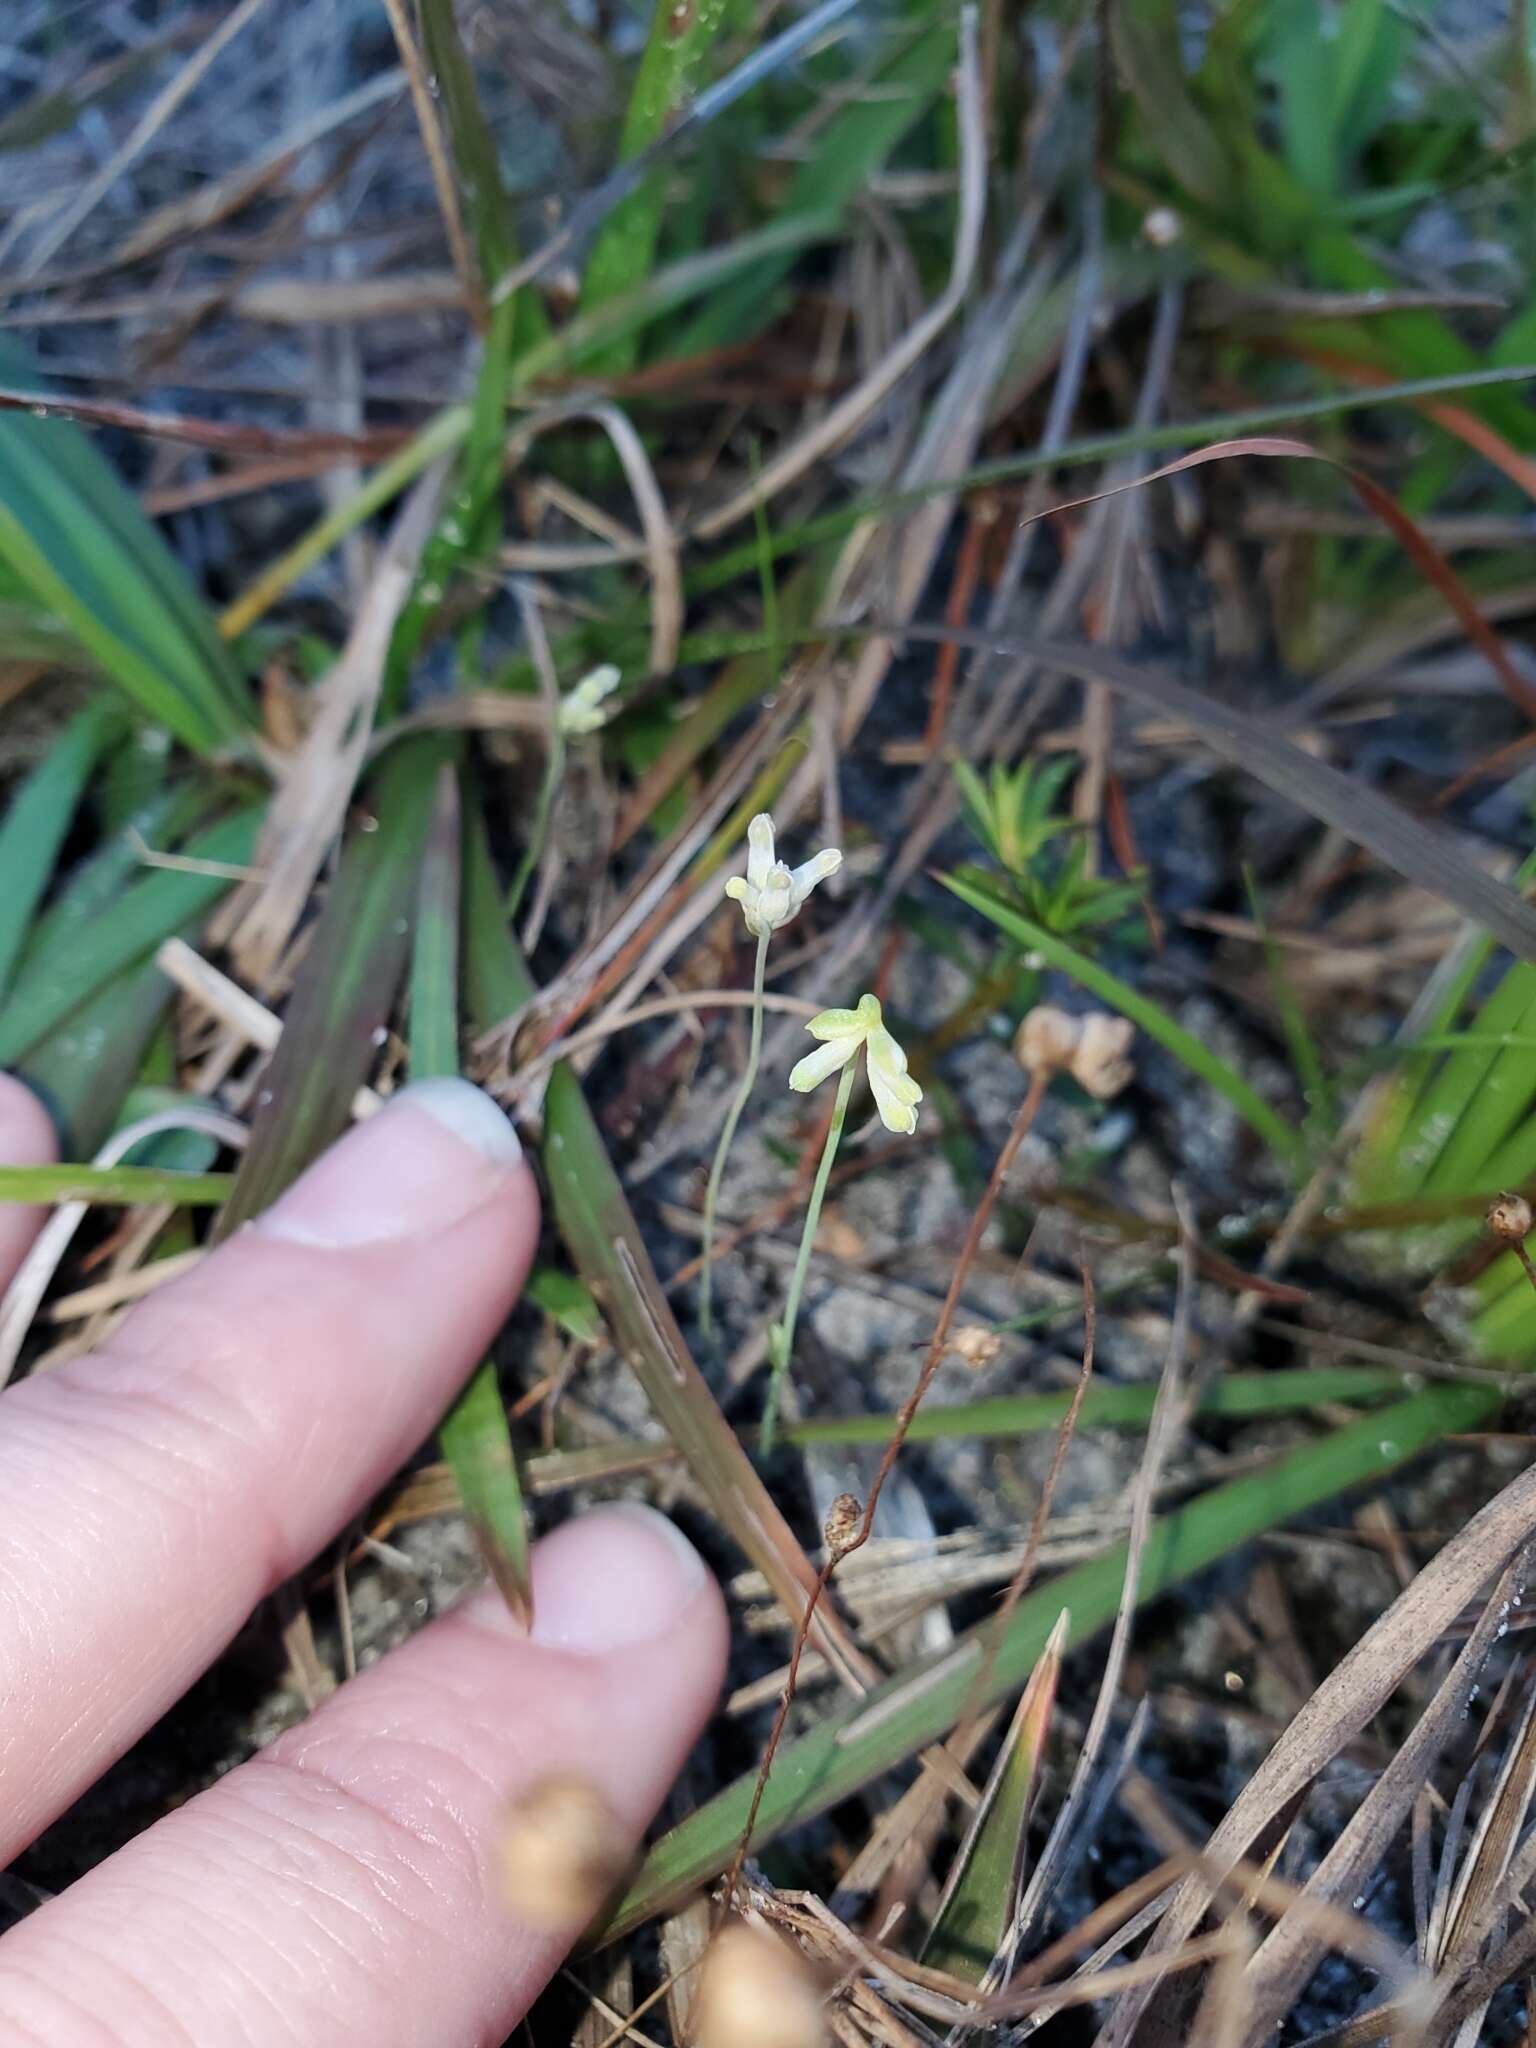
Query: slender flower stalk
(842, 1034)
(770, 895)
(728, 1130)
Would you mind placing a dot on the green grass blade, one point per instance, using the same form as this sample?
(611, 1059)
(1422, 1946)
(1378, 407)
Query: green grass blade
(1148, 1016)
(478, 165)
(38, 819)
(78, 543)
(433, 1009)
(982, 1892)
(842, 159)
(127, 1184)
(146, 913)
(625, 249)
(1008, 1417)
(475, 1437)
(346, 986)
(854, 1743)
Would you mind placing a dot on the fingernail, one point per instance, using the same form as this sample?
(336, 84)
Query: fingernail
(620, 1576)
(438, 1149)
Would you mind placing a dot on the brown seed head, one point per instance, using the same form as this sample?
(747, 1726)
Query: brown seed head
(1046, 1040)
(755, 1992)
(842, 1523)
(1099, 1064)
(1510, 1218)
(563, 1853)
(975, 1345)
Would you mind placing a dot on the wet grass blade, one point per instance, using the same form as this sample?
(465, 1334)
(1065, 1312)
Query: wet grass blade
(346, 986)
(476, 1440)
(856, 1742)
(127, 1184)
(146, 913)
(973, 888)
(981, 1894)
(38, 819)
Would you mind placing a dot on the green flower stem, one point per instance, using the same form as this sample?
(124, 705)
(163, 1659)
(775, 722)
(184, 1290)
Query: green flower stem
(717, 1170)
(781, 1340)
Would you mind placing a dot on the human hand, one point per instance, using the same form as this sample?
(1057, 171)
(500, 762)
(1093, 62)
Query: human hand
(341, 1887)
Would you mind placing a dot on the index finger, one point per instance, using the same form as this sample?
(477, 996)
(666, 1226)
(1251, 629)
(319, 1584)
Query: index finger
(157, 1490)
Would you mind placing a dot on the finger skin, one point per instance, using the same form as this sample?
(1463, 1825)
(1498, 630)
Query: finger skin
(341, 1888)
(26, 1139)
(156, 1491)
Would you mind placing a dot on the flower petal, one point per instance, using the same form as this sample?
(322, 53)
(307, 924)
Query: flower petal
(826, 1059)
(836, 1024)
(805, 877)
(759, 849)
(896, 1098)
(736, 889)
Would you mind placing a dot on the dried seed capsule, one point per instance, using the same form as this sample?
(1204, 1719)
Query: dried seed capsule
(1047, 1040)
(1510, 1218)
(563, 1853)
(975, 1345)
(1099, 1064)
(755, 1992)
(842, 1523)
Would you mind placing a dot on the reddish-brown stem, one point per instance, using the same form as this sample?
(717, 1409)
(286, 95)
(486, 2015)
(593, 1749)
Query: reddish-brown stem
(937, 1346)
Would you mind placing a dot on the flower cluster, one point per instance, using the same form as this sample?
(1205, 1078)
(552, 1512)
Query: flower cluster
(771, 894)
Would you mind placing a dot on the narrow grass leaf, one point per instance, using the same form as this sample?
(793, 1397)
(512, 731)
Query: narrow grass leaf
(568, 1301)
(346, 985)
(625, 249)
(38, 818)
(77, 541)
(476, 1440)
(124, 1184)
(981, 1894)
(146, 913)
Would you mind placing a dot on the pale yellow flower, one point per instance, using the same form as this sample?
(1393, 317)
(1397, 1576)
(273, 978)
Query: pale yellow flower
(842, 1033)
(581, 709)
(771, 894)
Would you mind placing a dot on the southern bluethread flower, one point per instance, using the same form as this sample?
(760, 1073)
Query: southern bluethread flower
(771, 894)
(842, 1032)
